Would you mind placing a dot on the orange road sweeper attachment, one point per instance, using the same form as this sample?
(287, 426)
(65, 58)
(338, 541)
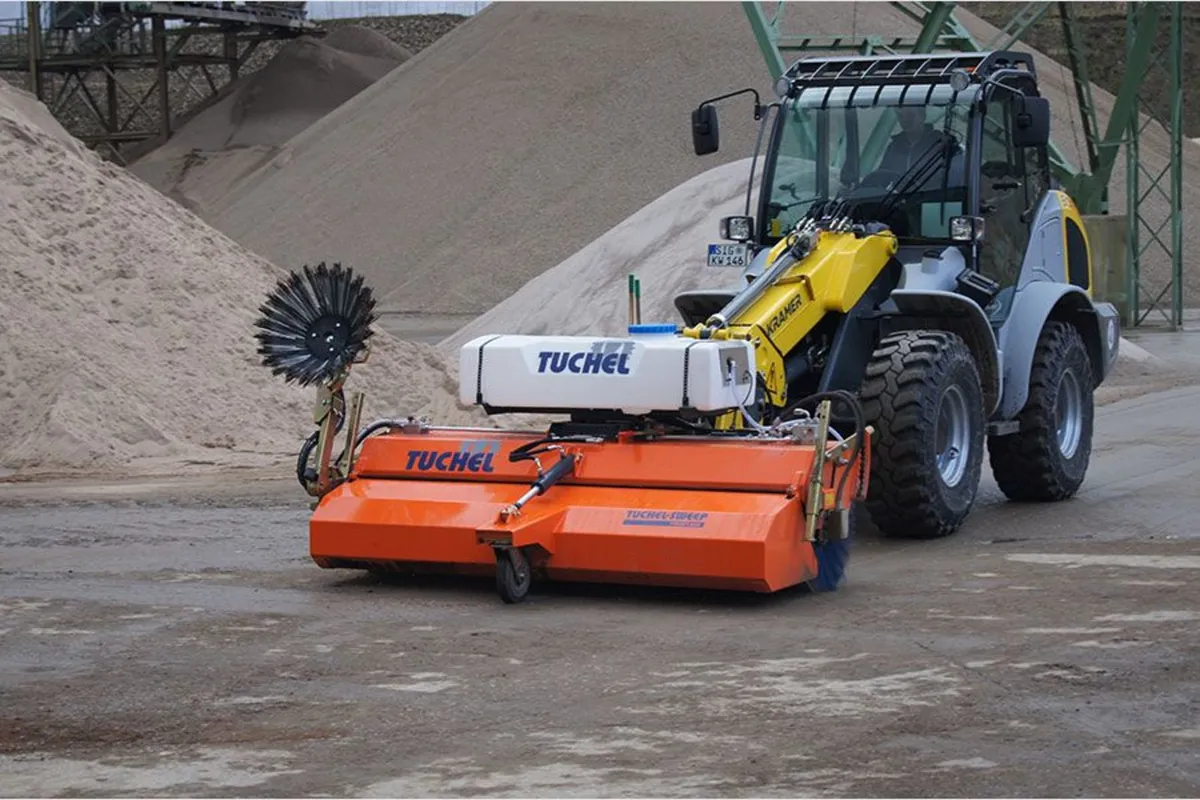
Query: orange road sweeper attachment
(635, 482)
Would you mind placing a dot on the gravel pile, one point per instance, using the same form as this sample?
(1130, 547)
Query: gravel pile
(308, 78)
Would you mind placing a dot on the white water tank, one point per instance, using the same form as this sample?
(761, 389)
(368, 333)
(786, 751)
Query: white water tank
(652, 369)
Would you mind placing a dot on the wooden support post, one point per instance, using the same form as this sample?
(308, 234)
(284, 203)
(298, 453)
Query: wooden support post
(110, 84)
(231, 55)
(158, 33)
(33, 22)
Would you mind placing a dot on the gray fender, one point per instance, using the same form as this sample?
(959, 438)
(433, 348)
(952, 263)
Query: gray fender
(953, 312)
(1032, 306)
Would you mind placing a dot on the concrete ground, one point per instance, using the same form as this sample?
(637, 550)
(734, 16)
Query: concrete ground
(175, 640)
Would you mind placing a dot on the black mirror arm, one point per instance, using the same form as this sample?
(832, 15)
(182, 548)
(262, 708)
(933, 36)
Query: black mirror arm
(759, 108)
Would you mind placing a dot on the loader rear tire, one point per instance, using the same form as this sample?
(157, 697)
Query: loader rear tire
(1047, 460)
(922, 395)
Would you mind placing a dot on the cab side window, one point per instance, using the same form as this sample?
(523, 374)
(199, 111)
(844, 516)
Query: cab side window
(1003, 195)
(1037, 175)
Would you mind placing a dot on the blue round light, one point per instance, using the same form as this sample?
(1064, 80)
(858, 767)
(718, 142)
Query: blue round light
(654, 327)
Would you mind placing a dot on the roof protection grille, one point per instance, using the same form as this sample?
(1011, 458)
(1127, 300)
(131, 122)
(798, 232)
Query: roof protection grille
(907, 70)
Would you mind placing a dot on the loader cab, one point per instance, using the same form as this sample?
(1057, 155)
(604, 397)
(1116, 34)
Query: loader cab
(949, 151)
(883, 153)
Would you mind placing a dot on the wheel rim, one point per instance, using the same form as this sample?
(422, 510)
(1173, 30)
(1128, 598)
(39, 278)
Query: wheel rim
(518, 570)
(952, 437)
(1068, 414)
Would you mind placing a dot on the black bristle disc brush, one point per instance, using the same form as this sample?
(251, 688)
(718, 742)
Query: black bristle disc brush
(315, 324)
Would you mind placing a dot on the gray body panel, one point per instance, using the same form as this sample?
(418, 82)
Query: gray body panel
(1044, 257)
(1043, 290)
(1032, 306)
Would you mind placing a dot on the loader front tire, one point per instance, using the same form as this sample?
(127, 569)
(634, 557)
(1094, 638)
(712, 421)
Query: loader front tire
(922, 394)
(1047, 459)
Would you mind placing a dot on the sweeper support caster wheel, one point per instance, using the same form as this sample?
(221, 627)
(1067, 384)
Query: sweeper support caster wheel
(513, 575)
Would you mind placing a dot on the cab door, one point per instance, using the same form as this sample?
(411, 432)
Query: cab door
(1012, 184)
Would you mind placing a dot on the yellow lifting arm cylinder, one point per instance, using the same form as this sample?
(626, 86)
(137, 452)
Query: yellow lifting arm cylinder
(831, 277)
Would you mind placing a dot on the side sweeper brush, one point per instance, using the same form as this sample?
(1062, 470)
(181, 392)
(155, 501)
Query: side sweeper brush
(641, 481)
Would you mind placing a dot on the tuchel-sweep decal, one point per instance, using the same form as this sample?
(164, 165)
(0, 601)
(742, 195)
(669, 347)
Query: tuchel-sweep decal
(666, 519)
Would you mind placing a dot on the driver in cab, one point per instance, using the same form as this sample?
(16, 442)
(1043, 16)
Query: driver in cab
(917, 138)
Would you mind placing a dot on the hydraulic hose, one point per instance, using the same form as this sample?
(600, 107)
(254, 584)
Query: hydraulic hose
(529, 450)
(860, 425)
(311, 442)
(307, 448)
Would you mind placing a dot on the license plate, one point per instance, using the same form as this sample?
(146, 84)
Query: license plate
(728, 255)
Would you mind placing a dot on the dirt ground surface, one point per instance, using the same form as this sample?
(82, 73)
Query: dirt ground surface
(174, 639)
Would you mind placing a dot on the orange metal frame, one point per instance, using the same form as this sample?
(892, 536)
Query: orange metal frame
(698, 512)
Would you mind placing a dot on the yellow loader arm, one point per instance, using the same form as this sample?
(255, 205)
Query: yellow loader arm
(809, 273)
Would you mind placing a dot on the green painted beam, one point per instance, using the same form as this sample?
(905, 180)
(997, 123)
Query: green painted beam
(1176, 70)
(931, 27)
(1165, 298)
(767, 35)
(1090, 187)
(1077, 61)
(1021, 22)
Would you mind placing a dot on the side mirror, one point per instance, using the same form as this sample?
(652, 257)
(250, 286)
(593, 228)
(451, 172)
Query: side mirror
(705, 134)
(966, 229)
(1032, 122)
(737, 229)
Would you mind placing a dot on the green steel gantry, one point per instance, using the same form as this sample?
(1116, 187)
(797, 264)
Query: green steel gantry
(121, 75)
(1145, 293)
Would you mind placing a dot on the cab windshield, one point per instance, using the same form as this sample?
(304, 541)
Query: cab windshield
(898, 158)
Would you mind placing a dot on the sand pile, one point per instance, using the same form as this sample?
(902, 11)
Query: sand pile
(260, 112)
(664, 244)
(127, 325)
(519, 137)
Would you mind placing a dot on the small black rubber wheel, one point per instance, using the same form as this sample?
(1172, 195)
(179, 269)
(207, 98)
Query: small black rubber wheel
(513, 576)
(922, 394)
(1047, 460)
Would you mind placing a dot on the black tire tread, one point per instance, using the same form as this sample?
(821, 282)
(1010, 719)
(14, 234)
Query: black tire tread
(1026, 465)
(510, 589)
(904, 499)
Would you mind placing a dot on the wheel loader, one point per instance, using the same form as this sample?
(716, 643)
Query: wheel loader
(897, 301)
(910, 246)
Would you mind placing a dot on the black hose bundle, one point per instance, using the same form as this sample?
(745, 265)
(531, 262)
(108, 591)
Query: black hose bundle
(860, 425)
(304, 475)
